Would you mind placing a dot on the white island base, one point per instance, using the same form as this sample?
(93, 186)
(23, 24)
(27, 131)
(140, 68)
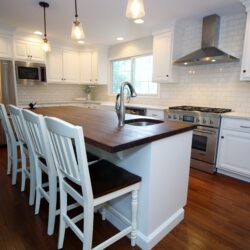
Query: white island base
(164, 167)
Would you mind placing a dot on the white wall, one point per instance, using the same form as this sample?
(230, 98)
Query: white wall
(215, 85)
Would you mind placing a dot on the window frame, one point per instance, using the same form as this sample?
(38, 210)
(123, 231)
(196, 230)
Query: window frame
(132, 58)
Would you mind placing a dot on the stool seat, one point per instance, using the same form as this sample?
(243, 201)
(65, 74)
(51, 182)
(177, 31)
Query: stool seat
(107, 178)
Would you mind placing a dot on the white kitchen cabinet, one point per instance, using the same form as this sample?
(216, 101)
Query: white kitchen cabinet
(162, 57)
(63, 66)
(70, 66)
(245, 66)
(94, 67)
(234, 148)
(25, 50)
(155, 113)
(5, 46)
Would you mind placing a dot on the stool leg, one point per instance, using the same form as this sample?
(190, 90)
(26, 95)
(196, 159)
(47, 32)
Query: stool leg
(134, 205)
(15, 163)
(88, 226)
(23, 157)
(9, 158)
(63, 211)
(103, 213)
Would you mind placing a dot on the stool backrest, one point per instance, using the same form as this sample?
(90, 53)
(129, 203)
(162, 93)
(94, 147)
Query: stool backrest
(38, 137)
(18, 123)
(6, 125)
(69, 154)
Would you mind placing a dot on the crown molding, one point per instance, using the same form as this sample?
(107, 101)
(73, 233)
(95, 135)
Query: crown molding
(246, 3)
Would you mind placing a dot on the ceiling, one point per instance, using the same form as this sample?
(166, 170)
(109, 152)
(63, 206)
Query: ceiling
(104, 20)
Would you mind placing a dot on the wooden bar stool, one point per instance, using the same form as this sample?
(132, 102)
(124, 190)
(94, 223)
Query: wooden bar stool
(12, 145)
(26, 151)
(91, 186)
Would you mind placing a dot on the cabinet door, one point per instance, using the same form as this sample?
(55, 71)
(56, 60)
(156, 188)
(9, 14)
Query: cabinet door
(86, 67)
(245, 67)
(70, 66)
(35, 50)
(21, 50)
(94, 63)
(158, 114)
(234, 152)
(5, 47)
(54, 65)
(162, 56)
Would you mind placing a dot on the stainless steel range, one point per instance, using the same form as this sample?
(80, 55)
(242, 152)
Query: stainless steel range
(205, 137)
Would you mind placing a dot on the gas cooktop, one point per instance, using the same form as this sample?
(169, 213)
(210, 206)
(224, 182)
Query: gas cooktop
(201, 109)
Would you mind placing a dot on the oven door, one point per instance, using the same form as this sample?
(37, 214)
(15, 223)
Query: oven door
(204, 144)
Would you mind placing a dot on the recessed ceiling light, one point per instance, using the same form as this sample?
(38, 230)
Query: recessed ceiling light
(213, 60)
(37, 32)
(81, 42)
(119, 38)
(138, 21)
(185, 63)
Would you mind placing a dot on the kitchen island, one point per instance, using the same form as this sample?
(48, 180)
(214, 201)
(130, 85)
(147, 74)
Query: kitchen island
(159, 153)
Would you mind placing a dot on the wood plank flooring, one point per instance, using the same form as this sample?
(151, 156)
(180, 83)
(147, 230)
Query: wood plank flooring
(217, 216)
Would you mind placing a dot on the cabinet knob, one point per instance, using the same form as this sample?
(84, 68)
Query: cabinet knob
(62, 79)
(167, 75)
(222, 137)
(244, 71)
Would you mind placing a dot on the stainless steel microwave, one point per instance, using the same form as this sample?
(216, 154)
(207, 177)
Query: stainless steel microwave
(30, 73)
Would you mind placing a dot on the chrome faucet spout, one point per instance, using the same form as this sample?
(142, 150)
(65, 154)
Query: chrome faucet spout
(119, 105)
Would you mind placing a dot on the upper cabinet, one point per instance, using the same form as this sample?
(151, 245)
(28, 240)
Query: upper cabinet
(5, 46)
(63, 66)
(94, 67)
(162, 57)
(25, 50)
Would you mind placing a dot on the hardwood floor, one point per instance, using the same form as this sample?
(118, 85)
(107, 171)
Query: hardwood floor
(217, 216)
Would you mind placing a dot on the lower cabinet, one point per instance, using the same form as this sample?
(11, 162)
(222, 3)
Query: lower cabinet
(158, 114)
(234, 149)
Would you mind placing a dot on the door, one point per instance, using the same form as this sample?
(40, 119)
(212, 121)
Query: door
(234, 152)
(54, 65)
(5, 47)
(35, 51)
(162, 47)
(204, 144)
(94, 63)
(86, 67)
(70, 66)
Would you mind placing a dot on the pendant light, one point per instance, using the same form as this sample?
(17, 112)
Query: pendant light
(135, 9)
(77, 29)
(46, 45)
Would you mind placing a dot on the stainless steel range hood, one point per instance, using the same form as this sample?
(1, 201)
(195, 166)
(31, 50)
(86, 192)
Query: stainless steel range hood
(209, 53)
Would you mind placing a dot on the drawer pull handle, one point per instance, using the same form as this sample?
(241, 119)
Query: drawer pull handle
(154, 115)
(244, 126)
(244, 71)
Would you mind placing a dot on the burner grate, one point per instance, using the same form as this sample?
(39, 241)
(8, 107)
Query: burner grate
(201, 109)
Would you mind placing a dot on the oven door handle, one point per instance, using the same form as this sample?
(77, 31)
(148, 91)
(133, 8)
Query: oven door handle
(204, 131)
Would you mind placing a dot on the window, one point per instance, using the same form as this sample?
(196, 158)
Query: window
(138, 71)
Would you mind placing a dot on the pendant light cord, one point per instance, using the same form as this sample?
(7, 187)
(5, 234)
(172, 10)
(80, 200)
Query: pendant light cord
(44, 19)
(76, 15)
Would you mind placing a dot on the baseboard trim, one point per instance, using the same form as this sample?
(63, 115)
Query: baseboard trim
(143, 241)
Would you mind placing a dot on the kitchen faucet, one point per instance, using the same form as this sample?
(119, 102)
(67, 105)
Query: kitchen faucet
(119, 107)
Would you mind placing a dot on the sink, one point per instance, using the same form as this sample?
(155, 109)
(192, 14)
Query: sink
(142, 122)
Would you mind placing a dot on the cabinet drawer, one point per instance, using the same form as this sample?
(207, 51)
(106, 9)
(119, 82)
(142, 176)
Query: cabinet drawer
(236, 124)
(159, 114)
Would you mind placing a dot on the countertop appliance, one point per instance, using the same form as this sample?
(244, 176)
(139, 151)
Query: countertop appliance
(7, 90)
(206, 135)
(30, 73)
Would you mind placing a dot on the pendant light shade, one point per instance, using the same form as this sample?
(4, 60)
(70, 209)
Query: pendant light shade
(135, 9)
(77, 28)
(46, 45)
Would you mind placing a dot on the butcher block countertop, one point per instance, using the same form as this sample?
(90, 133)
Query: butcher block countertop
(101, 127)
